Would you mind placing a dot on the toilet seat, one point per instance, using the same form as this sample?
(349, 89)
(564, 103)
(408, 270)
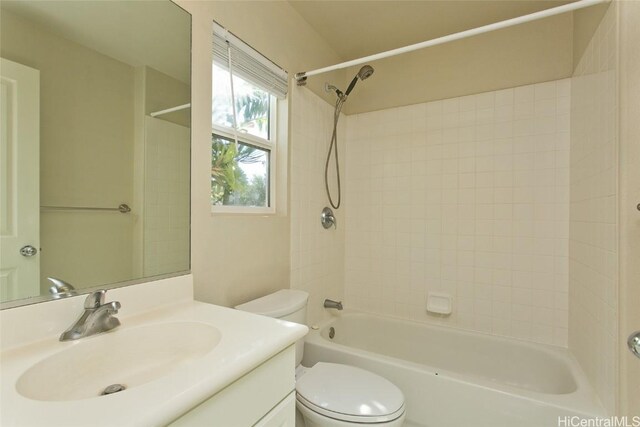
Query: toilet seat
(350, 394)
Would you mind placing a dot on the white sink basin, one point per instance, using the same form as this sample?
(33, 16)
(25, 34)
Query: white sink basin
(130, 357)
(172, 353)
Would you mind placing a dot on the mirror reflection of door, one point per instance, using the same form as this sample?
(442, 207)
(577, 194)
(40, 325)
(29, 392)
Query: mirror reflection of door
(19, 192)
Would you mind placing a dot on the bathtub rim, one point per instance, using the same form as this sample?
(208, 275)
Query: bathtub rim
(583, 400)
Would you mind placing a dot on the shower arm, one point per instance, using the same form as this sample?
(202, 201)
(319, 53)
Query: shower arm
(301, 77)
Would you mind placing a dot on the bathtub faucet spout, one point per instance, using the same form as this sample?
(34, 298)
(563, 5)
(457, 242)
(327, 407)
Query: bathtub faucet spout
(328, 303)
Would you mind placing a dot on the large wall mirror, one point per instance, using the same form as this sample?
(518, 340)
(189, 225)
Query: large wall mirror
(95, 148)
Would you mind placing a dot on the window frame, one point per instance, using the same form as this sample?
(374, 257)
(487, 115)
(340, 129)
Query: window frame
(270, 145)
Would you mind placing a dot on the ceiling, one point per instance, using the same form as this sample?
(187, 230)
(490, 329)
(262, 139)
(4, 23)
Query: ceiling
(359, 28)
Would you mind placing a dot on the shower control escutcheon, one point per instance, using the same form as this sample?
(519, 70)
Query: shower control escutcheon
(327, 218)
(634, 343)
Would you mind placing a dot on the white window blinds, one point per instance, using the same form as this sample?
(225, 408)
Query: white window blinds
(248, 63)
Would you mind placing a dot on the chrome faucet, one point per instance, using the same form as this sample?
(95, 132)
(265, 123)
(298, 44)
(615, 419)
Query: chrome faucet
(329, 303)
(60, 288)
(97, 318)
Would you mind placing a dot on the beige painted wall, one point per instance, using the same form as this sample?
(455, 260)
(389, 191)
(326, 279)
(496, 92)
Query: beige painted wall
(91, 165)
(629, 182)
(530, 53)
(594, 227)
(585, 24)
(163, 91)
(238, 257)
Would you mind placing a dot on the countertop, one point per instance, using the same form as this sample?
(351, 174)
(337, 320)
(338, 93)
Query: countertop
(247, 341)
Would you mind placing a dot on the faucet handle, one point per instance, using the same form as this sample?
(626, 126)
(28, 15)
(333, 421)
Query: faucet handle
(114, 306)
(95, 299)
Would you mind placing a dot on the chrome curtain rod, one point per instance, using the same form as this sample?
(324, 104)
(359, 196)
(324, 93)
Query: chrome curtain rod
(301, 77)
(123, 208)
(170, 110)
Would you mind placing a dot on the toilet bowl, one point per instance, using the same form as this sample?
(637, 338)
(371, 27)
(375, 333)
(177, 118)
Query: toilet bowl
(332, 394)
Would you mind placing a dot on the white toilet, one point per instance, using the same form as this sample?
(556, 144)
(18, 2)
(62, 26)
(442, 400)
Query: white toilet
(331, 394)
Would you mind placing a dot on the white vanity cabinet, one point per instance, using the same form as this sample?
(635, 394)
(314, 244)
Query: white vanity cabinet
(264, 397)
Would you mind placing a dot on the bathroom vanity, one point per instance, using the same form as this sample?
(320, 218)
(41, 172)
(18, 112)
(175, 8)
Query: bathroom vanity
(182, 363)
(264, 397)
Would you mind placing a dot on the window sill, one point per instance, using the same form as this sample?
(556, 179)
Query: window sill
(242, 210)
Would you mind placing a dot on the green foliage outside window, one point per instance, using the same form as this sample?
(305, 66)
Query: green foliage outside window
(230, 184)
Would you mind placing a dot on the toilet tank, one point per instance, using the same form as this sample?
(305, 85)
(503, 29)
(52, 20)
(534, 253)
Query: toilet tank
(285, 304)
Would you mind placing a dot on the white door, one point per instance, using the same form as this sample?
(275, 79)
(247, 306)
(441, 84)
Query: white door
(19, 181)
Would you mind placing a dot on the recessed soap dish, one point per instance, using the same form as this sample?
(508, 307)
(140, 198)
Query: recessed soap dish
(439, 303)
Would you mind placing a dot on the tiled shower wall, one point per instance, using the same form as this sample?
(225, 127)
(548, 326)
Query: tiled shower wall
(317, 255)
(593, 245)
(166, 202)
(467, 196)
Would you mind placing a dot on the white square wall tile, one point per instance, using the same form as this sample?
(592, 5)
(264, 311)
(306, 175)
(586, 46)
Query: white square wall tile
(474, 201)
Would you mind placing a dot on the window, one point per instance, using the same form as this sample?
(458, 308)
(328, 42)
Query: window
(243, 142)
(241, 173)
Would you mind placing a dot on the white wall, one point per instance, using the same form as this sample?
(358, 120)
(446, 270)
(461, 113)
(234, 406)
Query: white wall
(317, 255)
(593, 244)
(467, 196)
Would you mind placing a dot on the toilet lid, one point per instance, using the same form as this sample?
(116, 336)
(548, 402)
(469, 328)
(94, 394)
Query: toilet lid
(348, 393)
(277, 304)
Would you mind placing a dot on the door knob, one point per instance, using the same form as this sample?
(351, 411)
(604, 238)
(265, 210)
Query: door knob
(634, 343)
(28, 251)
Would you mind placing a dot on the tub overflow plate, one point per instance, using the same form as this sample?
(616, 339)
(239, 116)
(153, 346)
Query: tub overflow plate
(113, 388)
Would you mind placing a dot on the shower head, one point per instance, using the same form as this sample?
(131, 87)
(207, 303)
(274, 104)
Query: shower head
(365, 72)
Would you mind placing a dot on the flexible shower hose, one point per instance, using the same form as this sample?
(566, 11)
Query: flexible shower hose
(333, 146)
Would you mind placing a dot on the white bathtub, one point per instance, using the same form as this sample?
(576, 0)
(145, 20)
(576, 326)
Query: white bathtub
(452, 378)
